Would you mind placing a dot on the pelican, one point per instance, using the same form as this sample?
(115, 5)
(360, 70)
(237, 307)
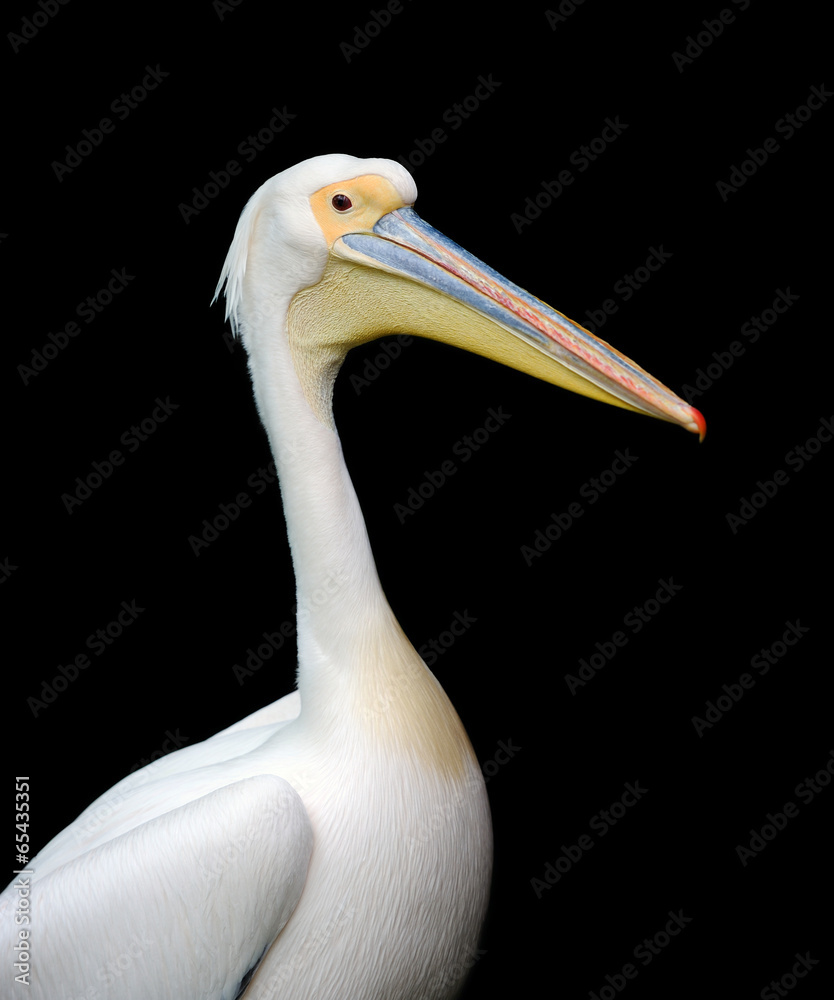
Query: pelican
(337, 843)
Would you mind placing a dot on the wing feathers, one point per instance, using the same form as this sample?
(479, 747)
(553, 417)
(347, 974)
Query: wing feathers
(180, 907)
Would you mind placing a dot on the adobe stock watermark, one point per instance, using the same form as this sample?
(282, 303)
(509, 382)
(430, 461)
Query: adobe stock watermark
(442, 982)
(454, 116)
(88, 310)
(431, 651)
(767, 657)
(131, 439)
(626, 287)
(121, 107)
(581, 158)
(751, 330)
(712, 28)
(443, 813)
(257, 656)
(227, 513)
(757, 157)
(645, 953)
(248, 149)
(6, 569)
(222, 8)
(22, 948)
(464, 449)
(562, 13)
(114, 968)
(635, 621)
(398, 685)
(309, 949)
(545, 537)
(235, 850)
(601, 824)
(98, 642)
(364, 34)
(797, 458)
(31, 26)
(109, 974)
(788, 980)
(388, 352)
(173, 741)
(141, 772)
(763, 835)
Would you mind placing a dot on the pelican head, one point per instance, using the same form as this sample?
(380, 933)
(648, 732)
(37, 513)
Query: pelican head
(333, 244)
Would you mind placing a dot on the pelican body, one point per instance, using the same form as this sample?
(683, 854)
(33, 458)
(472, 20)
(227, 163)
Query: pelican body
(336, 844)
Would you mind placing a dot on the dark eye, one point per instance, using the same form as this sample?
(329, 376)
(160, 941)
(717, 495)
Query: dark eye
(341, 202)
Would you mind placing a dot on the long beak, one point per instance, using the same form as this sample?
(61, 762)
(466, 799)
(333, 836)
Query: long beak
(521, 331)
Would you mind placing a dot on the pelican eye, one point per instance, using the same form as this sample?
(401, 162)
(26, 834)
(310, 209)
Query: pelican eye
(341, 202)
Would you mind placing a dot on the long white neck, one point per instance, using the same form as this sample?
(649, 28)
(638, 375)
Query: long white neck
(359, 677)
(339, 596)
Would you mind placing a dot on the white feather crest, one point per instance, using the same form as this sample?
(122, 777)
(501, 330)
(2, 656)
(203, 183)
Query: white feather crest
(234, 266)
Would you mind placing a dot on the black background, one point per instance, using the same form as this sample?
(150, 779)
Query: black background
(665, 518)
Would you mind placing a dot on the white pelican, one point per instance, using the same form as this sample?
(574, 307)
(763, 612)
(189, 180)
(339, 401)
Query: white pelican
(336, 844)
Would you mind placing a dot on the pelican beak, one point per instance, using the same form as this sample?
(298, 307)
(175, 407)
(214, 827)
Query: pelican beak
(477, 309)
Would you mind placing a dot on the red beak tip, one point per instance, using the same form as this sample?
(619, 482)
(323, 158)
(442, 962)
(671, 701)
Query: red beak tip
(698, 419)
